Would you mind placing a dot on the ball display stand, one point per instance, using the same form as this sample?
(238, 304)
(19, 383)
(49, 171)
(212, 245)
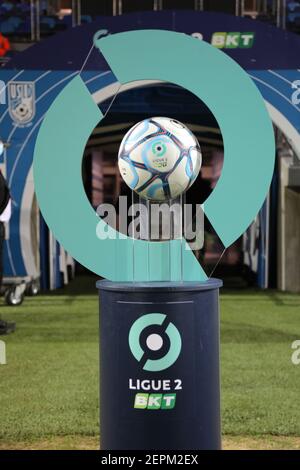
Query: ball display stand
(159, 365)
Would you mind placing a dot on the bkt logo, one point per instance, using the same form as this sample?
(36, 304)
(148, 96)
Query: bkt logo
(155, 401)
(232, 40)
(154, 342)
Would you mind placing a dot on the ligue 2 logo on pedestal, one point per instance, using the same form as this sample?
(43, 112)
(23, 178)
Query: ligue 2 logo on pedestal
(161, 340)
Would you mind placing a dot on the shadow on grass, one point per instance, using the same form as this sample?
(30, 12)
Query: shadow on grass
(241, 333)
(81, 285)
(280, 299)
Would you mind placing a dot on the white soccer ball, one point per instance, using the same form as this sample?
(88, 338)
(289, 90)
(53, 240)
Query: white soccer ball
(159, 158)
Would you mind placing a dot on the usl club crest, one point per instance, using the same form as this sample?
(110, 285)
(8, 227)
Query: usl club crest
(21, 101)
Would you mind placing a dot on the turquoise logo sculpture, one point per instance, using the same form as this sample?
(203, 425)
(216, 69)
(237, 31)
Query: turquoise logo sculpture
(249, 153)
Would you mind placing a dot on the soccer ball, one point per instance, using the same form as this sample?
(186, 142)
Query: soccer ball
(159, 158)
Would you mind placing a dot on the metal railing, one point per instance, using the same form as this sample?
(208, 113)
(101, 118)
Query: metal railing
(276, 10)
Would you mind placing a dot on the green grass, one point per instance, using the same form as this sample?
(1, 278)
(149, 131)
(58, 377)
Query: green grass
(260, 384)
(50, 385)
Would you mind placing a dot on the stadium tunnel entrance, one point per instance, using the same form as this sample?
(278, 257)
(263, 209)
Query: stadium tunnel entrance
(102, 180)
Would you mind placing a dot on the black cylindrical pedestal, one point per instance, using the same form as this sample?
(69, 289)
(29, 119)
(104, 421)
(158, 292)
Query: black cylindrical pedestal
(159, 366)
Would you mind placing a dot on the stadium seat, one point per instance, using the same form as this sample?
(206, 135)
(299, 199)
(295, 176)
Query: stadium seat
(15, 20)
(24, 27)
(49, 21)
(24, 7)
(296, 25)
(8, 6)
(292, 5)
(67, 20)
(292, 17)
(6, 27)
(86, 19)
